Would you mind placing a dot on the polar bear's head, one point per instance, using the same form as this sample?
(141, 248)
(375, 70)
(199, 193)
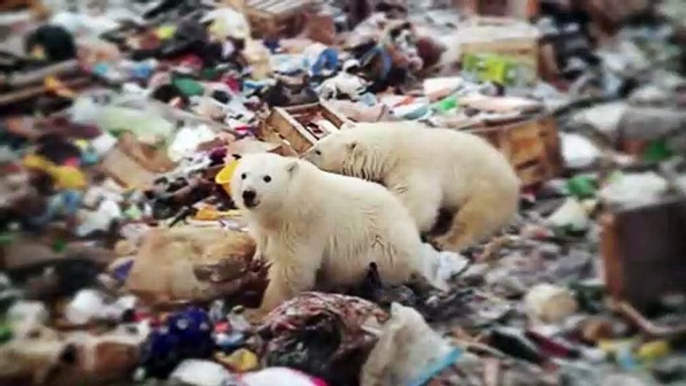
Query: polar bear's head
(261, 181)
(356, 152)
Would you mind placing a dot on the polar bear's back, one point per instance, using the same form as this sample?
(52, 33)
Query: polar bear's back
(362, 222)
(455, 162)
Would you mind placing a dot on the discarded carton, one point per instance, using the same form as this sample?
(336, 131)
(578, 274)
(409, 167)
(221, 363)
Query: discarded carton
(502, 36)
(125, 170)
(149, 157)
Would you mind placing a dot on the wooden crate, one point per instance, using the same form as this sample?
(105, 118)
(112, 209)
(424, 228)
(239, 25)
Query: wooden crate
(644, 252)
(532, 146)
(292, 126)
(278, 18)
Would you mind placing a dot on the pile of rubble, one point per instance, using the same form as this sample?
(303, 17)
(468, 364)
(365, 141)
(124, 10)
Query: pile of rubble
(125, 261)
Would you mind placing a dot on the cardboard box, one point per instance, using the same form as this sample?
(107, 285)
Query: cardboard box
(502, 36)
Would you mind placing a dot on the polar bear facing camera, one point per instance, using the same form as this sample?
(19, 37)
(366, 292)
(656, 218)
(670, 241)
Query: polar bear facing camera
(431, 171)
(322, 230)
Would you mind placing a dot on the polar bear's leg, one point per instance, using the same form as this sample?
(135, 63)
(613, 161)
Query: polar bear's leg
(286, 282)
(260, 242)
(476, 219)
(420, 200)
(293, 271)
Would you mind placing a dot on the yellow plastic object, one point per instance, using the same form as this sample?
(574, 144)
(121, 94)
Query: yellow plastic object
(653, 350)
(81, 144)
(241, 360)
(223, 178)
(66, 177)
(54, 85)
(165, 32)
(33, 161)
(38, 52)
(208, 213)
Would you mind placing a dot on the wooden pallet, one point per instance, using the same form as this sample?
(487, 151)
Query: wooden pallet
(295, 126)
(532, 146)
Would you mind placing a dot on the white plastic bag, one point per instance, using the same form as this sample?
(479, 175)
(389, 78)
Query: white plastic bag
(407, 352)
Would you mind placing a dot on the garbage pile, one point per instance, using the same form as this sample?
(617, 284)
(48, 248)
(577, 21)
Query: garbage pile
(153, 154)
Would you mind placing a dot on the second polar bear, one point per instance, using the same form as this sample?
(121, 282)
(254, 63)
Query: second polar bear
(320, 229)
(430, 170)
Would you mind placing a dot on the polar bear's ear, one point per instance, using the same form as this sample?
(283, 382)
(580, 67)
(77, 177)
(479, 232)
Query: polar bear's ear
(292, 167)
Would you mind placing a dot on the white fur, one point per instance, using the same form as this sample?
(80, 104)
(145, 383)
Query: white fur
(321, 228)
(428, 169)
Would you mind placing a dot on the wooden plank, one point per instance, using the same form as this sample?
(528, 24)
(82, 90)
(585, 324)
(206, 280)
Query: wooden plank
(638, 269)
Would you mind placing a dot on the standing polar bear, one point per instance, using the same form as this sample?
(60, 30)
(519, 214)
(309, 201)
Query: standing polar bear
(322, 229)
(430, 170)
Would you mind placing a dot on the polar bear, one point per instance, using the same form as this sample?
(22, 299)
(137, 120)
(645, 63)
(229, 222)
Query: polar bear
(322, 230)
(432, 171)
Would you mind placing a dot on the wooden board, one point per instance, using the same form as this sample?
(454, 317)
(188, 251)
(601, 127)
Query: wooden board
(644, 252)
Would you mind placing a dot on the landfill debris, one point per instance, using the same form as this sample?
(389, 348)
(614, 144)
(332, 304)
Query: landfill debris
(284, 376)
(321, 334)
(124, 259)
(634, 189)
(407, 351)
(549, 304)
(571, 215)
(217, 262)
(201, 373)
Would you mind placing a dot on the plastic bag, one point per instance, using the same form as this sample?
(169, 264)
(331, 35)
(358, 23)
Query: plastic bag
(408, 352)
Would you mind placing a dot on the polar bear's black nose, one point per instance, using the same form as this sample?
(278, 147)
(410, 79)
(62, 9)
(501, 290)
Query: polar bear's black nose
(249, 197)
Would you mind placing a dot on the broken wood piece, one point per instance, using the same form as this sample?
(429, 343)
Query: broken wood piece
(639, 270)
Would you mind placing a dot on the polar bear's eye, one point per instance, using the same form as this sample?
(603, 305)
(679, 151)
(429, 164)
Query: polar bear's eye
(317, 152)
(267, 178)
(243, 176)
